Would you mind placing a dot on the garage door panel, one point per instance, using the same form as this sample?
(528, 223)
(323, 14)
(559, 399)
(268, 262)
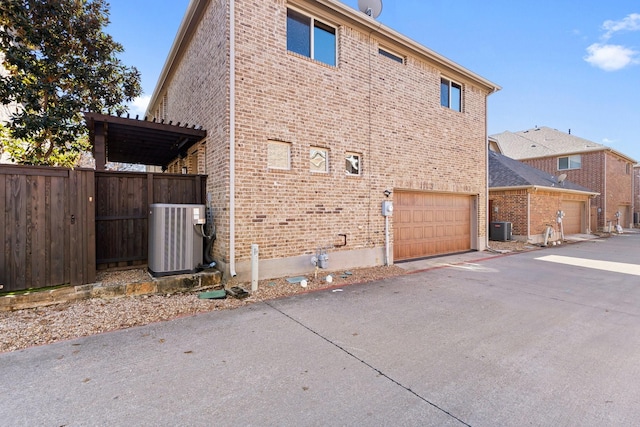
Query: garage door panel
(418, 232)
(573, 212)
(429, 232)
(404, 233)
(440, 223)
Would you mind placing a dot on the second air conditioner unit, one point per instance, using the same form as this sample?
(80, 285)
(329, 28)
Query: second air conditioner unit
(175, 239)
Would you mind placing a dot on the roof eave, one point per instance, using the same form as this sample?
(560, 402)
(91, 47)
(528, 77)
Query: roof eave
(185, 32)
(195, 8)
(572, 153)
(542, 187)
(371, 24)
(624, 156)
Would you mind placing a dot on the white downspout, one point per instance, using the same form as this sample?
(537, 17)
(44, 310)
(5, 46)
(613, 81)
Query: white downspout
(604, 193)
(528, 216)
(486, 183)
(232, 139)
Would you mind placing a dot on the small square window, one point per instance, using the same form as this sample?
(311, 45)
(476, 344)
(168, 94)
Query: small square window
(450, 94)
(319, 160)
(353, 165)
(279, 155)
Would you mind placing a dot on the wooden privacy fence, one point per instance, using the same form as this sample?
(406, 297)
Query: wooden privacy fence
(58, 225)
(47, 227)
(122, 210)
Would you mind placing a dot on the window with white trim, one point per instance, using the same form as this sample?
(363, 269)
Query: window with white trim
(311, 38)
(570, 162)
(353, 164)
(279, 155)
(319, 160)
(450, 94)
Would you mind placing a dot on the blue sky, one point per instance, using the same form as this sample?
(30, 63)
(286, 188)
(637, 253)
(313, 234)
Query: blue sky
(561, 64)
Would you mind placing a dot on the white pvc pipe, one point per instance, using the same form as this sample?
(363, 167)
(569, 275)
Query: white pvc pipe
(386, 241)
(254, 267)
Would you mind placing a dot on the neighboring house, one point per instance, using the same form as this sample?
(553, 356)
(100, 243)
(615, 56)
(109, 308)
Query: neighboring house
(531, 200)
(594, 166)
(315, 115)
(636, 195)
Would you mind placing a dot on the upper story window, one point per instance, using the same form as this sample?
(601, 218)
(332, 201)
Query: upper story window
(311, 38)
(391, 55)
(570, 162)
(450, 94)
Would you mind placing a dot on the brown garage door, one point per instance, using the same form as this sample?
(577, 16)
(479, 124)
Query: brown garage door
(572, 221)
(426, 224)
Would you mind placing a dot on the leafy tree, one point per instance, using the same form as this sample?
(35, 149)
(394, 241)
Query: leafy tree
(59, 63)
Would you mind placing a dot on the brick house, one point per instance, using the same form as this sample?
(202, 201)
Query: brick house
(586, 163)
(530, 200)
(315, 115)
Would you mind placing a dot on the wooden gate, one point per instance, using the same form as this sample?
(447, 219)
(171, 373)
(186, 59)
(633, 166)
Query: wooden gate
(47, 227)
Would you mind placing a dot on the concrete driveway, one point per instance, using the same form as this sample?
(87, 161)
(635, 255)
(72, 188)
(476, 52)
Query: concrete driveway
(512, 340)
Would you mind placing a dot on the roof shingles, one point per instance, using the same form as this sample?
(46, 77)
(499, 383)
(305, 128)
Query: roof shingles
(542, 142)
(507, 172)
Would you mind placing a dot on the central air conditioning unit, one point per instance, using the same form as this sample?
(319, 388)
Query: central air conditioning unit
(500, 231)
(175, 238)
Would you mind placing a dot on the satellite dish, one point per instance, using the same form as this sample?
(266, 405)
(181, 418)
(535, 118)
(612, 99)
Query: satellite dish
(370, 7)
(562, 177)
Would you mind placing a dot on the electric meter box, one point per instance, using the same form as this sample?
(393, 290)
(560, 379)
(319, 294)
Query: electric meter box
(387, 208)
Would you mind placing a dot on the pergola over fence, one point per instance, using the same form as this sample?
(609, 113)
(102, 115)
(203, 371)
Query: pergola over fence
(58, 225)
(126, 140)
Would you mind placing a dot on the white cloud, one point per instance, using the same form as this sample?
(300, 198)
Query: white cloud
(138, 106)
(613, 57)
(629, 23)
(610, 57)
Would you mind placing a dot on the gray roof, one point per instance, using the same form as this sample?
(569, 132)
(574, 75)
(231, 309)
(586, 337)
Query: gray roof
(543, 142)
(507, 172)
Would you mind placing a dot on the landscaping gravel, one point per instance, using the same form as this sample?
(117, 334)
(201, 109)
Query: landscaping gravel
(44, 325)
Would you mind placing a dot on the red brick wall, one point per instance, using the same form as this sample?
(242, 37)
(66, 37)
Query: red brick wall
(619, 195)
(511, 206)
(603, 172)
(531, 210)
